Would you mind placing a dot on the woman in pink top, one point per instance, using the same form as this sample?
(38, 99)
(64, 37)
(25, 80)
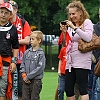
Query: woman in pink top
(78, 64)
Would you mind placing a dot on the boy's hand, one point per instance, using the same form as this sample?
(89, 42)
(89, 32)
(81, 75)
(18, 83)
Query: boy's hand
(26, 81)
(59, 73)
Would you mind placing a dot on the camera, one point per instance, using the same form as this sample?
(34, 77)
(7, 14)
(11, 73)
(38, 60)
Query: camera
(63, 22)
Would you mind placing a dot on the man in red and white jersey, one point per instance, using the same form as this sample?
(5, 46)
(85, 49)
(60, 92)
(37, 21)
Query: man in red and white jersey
(23, 37)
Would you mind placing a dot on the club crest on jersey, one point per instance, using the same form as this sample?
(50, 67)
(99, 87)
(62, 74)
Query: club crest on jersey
(8, 36)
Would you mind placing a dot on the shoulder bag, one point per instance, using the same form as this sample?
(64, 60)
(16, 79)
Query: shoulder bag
(84, 46)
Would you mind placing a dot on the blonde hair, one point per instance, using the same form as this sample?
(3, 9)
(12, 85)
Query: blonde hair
(39, 35)
(80, 7)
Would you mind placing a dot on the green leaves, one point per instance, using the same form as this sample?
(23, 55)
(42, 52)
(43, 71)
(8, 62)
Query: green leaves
(47, 14)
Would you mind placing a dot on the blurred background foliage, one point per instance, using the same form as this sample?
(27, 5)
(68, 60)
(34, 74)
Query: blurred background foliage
(46, 14)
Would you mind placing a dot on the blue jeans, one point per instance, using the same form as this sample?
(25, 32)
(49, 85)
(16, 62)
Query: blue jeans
(91, 80)
(93, 85)
(61, 87)
(96, 88)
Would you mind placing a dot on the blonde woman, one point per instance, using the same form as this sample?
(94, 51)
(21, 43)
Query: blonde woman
(78, 64)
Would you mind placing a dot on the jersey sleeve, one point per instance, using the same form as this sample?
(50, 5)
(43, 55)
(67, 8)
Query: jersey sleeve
(26, 29)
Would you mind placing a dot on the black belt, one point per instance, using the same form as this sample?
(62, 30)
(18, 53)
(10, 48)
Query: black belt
(5, 63)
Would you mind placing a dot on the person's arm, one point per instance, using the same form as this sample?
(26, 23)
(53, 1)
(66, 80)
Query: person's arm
(24, 78)
(60, 56)
(59, 71)
(22, 70)
(15, 49)
(26, 34)
(25, 41)
(86, 30)
(14, 60)
(22, 66)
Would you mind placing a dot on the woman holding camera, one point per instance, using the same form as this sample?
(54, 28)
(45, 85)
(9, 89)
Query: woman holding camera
(78, 63)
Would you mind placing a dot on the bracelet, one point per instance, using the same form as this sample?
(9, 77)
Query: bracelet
(75, 28)
(14, 60)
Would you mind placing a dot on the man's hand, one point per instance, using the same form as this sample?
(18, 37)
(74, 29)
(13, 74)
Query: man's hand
(12, 67)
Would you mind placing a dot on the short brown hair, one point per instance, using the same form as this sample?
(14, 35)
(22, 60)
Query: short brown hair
(39, 35)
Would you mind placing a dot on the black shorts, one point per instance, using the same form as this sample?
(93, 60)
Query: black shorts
(76, 75)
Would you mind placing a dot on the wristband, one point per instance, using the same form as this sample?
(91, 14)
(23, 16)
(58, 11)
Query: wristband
(14, 60)
(24, 75)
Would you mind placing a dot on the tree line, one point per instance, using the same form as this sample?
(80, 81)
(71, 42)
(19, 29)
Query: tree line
(47, 14)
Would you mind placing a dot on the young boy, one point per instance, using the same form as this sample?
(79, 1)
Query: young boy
(9, 46)
(61, 73)
(32, 68)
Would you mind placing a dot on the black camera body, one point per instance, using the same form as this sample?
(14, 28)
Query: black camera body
(63, 22)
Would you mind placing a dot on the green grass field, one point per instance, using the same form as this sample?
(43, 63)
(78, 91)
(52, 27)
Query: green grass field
(53, 48)
(50, 82)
